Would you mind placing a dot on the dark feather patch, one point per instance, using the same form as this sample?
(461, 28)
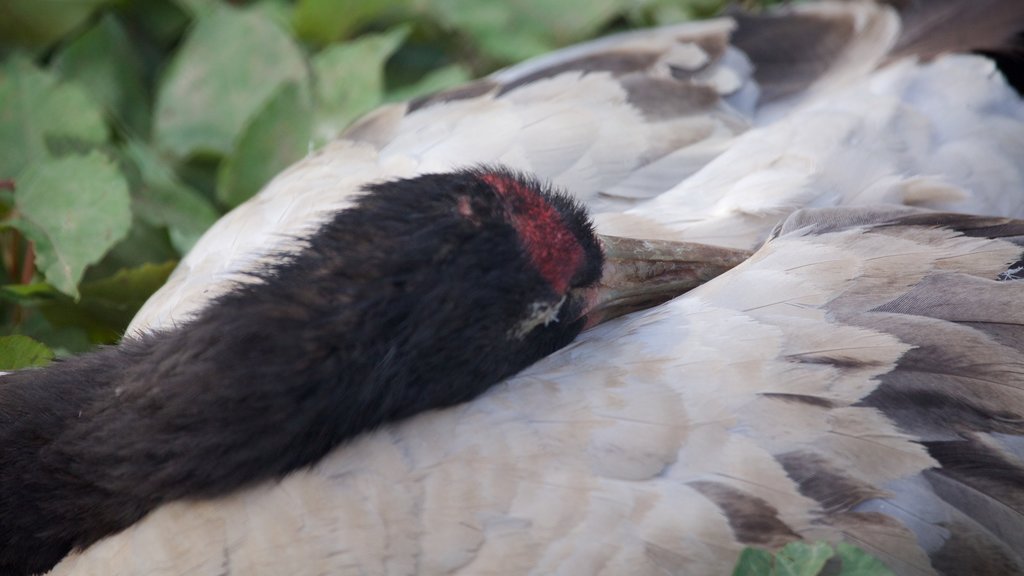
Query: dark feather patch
(1008, 334)
(817, 221)
(637, 62)
(1014, 271)
(987, 522)
(932, 27)
(965, 547)
(954, 379)
(1005, 229)
(801, 398)
(791, 51)
(464, 92)
(1010, 61)
(616, 62)
(953, 297)
(659, 98)
(825, 483)
(996, 474)
(753, 520)
(835, 360)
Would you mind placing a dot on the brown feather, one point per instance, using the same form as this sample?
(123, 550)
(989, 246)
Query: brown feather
(753, 520)
(933, 27)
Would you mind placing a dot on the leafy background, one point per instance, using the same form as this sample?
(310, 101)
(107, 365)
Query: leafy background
(127, 127)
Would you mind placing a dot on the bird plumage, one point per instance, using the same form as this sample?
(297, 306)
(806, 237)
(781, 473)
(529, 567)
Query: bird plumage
(858, 378)
(668, 440)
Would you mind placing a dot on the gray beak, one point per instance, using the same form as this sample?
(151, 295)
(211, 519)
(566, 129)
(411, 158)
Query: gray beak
(639, 274)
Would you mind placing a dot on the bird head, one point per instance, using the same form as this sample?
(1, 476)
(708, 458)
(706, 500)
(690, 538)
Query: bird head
(504, 254)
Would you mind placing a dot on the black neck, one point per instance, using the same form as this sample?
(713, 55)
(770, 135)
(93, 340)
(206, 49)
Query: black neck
(349, 335)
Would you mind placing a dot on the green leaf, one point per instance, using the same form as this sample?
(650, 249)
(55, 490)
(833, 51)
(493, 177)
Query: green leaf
(323, 21)
(113, 301)
(17, 352)
(672, 11)
(857, 562)
(154, 24)
(38, 23)
(278, 11)
(103, 61)
(162, 199)
(434, 81)
(229, 65)
(516, 30)
(128, 289)
(802, 559)
(277, 136)
(754, 562)
(35, 107)
(74, 209)
(144, 244)
(63, 340)
(108, 305)
(197, 8)
(28, 294)
(350, 79)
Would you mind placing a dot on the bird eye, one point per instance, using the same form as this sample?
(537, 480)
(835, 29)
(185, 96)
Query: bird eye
(540, 313)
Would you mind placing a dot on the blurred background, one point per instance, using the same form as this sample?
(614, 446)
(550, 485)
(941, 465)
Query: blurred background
(127, 127)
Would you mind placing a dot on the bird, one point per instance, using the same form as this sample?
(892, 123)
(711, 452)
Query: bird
(857, 378)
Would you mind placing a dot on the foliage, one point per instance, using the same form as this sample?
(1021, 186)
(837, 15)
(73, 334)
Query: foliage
(22, 352)
(810, 559)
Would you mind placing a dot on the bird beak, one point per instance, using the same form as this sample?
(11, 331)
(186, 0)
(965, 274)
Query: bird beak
(639, 274)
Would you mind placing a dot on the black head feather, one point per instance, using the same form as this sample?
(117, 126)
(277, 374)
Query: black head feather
(425, 293)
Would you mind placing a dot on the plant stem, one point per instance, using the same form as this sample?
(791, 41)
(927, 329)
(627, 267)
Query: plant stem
(11, 259)
(28, 265)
